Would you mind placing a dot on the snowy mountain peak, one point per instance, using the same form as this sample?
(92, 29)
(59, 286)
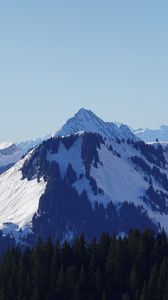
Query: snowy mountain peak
(86, 120)
(83, 121)
(85, 113)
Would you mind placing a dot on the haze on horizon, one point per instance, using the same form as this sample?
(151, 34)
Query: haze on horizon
(58, 56)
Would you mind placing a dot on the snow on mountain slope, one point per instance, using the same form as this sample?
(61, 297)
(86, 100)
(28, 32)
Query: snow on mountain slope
(91, 176)
(124, 173)
(111, 169)
(150, 135)
(118, 178)
(116, 175)
(64, 157)
(121, 182)
(19, 199)
(86, 120)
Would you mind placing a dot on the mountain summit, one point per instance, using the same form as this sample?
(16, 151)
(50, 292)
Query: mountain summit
(83, 121)
(86, 120)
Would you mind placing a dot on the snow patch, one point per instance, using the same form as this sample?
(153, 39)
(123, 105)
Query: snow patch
(71, 156)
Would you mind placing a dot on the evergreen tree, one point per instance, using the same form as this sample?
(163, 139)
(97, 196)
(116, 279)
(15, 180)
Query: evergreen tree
(162, 280)
(152, 285)
(133, 267)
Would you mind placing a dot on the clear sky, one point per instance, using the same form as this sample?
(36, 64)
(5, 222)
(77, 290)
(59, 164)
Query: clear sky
(110, 56)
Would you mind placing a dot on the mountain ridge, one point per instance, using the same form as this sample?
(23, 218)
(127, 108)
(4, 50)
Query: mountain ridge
(90, 176)
(83, 120)
(85, 183)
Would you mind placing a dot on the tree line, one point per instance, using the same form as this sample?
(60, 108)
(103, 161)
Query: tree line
(132, 267)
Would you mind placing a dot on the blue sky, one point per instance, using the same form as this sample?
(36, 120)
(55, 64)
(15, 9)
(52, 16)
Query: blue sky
(110, 56)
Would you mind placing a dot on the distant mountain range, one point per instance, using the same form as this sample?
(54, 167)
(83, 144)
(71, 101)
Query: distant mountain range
(151, 135)
(89, 177)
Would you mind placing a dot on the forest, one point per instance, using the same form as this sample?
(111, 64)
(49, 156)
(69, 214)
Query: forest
(111, 268)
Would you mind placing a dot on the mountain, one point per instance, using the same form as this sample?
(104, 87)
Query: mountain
(90, 176)
(85, 183)
(9, 155)
(86, 120)
(151, 135)
(5, 145)
(25, 146)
